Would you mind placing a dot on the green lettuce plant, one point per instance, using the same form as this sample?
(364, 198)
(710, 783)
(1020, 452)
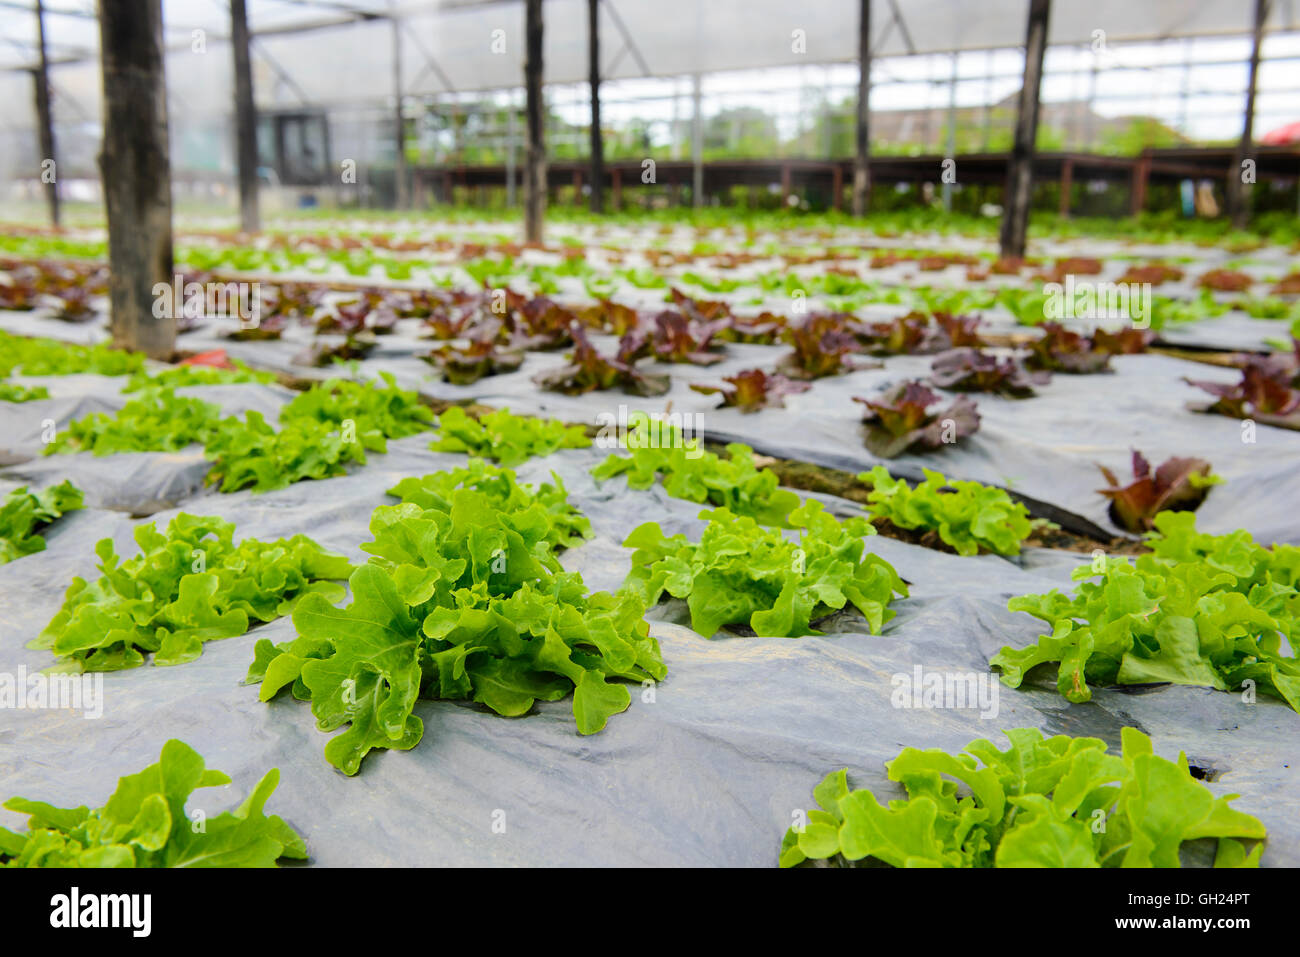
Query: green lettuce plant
(24, 513)
(323, 429)
(463, 599)
(156, 421)
(503, 436)
(179, 376)
(41, 357)
(567, 527)
(15, 392)
(249, 453)
(384, 409)
(1044, 802)
(967, 516)
(740, 573)
(145, 824)
(689, 472)
(1209, 610)
(188, 585)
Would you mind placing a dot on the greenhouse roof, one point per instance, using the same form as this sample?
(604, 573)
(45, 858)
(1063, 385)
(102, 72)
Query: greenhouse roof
(477, 44)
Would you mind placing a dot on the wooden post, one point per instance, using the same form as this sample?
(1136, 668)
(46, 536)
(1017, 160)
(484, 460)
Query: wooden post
(616, 175)
(41, 79)
(136, 171)
(1138, 190)
(399, 118)
(1067, 184)
(245, 120)
(861, 170)
(1020, 169)
(837, 187)
(577, 187)
(535, 169)
(597, 144)
(785, 184)
(1238, 190)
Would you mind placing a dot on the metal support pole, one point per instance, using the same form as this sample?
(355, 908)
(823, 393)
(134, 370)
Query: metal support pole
(951, 148)
(697, 146)
(597, 145)
(399, 118)
(861, 168)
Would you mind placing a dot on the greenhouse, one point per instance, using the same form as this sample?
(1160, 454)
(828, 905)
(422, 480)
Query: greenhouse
(595, 433)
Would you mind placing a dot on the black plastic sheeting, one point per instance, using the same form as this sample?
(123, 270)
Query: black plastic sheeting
(709, 770)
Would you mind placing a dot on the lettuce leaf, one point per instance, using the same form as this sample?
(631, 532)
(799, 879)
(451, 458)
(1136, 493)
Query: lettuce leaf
(145, 824)
(189, 585)
(968, 516)
(740, 573)
(1044, 802)
(1208, 610)
(24, 513)
(462, 598)
(157, 421)
(691, 473)
(501, 435)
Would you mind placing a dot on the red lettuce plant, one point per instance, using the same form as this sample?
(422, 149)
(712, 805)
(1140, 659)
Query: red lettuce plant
(972, 370)
(480, 356)
(1288, 285)
(424, 303)
(370, 312)
(754, 389)
(763, 329)
(589, 371)
(902, 418)
(904, 335)
(609, 316)
(1267, 392)
(1062, 350)
(463, 365)
(1179, 484)
(1225, 280)
(822, 346)
(1122, 342)
(917, 334)
(74, 305)
(958, 331)
(292, 300)
(539, 323)
(19, 294)
(702, 310)
(1153, 273)
(675, 337)
(320, 354)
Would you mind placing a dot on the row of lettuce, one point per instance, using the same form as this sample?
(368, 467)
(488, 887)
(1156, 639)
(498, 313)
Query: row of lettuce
(500, 263)
(463, 597)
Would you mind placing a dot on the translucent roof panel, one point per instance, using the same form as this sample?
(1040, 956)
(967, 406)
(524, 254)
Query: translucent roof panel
(343, 49)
